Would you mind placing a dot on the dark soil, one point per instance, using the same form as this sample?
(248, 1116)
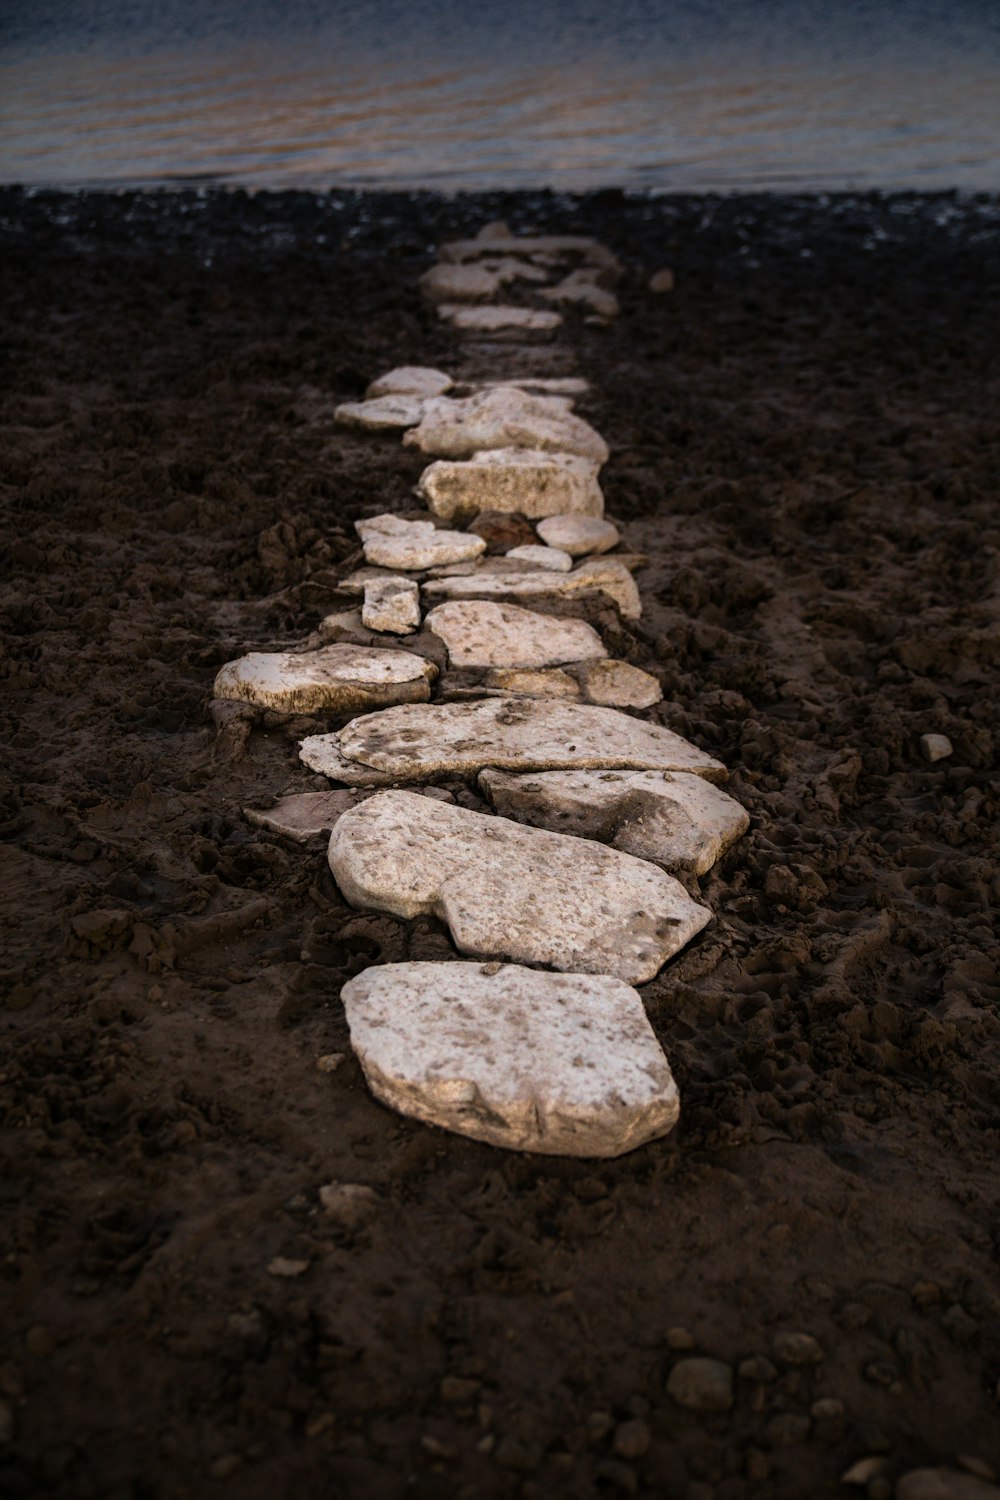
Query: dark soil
(806, 439)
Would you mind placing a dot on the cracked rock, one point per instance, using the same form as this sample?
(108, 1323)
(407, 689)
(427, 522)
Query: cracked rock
(503, 418)
(392, 542)
(391, 605)
(478, 633)
(527, 481)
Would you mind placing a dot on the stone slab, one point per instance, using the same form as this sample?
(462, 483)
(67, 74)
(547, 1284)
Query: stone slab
(543, 385)
(523, 480)
(341, 678)
(508, 891)
(415, 742)
(459, 283)
(553, 247)
(533, 682)
(303, 815)
(391, 542)
(680, 821)
(392, 605)
(618, 684)
(498, 317)
(561, 1064)
(503, 418)
(549, 558)
(579, 535)
(580, 290)
(479, 633)
(595, 575)
(383, 414)
(410, 380)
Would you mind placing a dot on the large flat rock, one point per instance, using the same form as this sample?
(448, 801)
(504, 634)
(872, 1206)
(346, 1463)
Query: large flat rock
(679, 820)
(507, 891)
(389, 541)
(478, 633)
(340, 677)
(411, 380)
(564, 1064)
(527, 481)
(597, 575)
(579, 535)
(460, 283)
(503, 418)
(415, 742)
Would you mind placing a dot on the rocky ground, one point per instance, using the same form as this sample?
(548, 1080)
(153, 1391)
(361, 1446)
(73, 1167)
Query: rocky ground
(805, 440)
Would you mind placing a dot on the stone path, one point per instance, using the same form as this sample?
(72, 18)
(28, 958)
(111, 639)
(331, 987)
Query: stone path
(593, 806)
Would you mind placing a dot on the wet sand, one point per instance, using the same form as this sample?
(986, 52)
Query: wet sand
(805, 440)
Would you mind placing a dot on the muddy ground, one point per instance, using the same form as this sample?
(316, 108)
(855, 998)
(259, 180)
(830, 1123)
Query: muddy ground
(806, 439)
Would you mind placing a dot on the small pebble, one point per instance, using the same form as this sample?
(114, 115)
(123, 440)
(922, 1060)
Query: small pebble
(330, 1061)
(680, 1339)
(863, 1470)
(757, 1465)
(757, 1368)
(701, 1384)
(935, 747)
(348, 1203)
(632, 1439)
(829, 1419)
(797, 1349)
(599, 1424)
(281, 1265)
(662, 281)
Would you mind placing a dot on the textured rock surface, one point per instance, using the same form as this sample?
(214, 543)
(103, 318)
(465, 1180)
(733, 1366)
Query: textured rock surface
(578, 534)
(507, 891)
(303, 814)
(681, 821)
(594, 575)
(383, 414)
(503, 418)
(565, 1064)
(478, 633)
(523, 480)
(549, 558)
(415, 742)
(410, 380)
(543, 682)
(339, 677)
(391, 542)
(618, 684)
(499, 317)
(392, 605)
(458, 283)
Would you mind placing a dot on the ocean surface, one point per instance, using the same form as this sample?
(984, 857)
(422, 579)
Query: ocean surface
(681, 95)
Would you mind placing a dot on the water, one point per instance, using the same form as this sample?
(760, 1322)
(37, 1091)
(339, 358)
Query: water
(682, 95)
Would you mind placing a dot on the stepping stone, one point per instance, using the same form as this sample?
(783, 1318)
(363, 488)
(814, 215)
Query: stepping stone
(618, 684)
(304, 814)
(526, 480)
(383, 414)
(578, 535)
(562, 1064)
(549, 558)
(504, 418)
(459, 283)
(410, 380)
(581, 290)
(681, 821)
(596, 575)
(342, 678)
(555, 247)
(417, 741)
(478, 633)
(392, 605)
(497, 318)
(391, 542)
(507, 891)
(546, 682)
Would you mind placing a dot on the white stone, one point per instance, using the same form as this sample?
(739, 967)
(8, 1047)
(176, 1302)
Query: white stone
(549, 558)
(303, 815)
(418, 741)
(564, 1064)
(554, 247)
(596, 575)
(580, 289)
(618, 684)
(680, 821)
(459, 283)
(391, 542)
(935, 747)
(524, 480)
(343, 678)
(410, 380)
(543, 385)
(578, 535)
(392, 605)
(507, 891)
(499, 317)
(533, 682)
(503, 418)
(478, 633)
(383, 414)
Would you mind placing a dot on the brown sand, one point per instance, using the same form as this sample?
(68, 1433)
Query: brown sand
(809, 447)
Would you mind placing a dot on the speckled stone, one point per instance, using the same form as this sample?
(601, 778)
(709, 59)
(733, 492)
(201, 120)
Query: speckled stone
(340, 677)
(503, 418)
(478, 633)
(527, 481)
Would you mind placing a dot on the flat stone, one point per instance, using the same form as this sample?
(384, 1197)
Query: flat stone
(563, 1064)
(503, 418)
(383, 414)
(944, 1484)
(340, 677)
(501, 530)
(410, 380)
(580, 290)
(304, 814)
(543, 682)
(391, 542)
(551, 247)
(677, 820)
(507, 891)
(543, 385)
(579, 535)
(499, 317)
(549, 558)
(507, 268)
(935, 747)
(392, 605)
(478, 633)
(459, 283)
(595, 575)
(523, 480)
(415, 742)
(701, 1384)
(618, 684)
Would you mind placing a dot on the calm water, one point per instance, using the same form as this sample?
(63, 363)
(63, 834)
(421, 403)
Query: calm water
(681, 94)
